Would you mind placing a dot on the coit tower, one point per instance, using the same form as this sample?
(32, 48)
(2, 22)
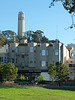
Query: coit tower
(21, 25)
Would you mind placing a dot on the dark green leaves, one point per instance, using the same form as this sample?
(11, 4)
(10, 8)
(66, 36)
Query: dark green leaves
(67, 4)
(8, 71)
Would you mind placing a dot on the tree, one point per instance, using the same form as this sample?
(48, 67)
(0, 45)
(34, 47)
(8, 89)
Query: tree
(45, 40)
(2, 40)
(52, 71)
(9, 35)
(69, 5)
(40, 78)
(18, 38)
(9, 71)
(62, 71)
(28, 35)
(37, 36)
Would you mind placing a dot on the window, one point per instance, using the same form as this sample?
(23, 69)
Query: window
(70, 65)
(46, 63)
(5, 60)
(43, 52)
(56, 52)
(31, 61)
(43, 63)
(73, 65)
(13, 50)
(6, 50)
(34, 49)
(22, 56)
(34, 62)
(12, 60)
(1, 59)
(16, 60)
(31, 49)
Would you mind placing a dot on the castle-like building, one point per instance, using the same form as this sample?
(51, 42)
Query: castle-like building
(32, 58)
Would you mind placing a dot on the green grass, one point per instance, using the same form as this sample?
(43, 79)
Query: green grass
(37, 93)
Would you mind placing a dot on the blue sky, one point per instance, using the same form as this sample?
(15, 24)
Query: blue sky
(38, 16)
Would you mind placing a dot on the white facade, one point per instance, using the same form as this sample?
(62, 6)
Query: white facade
(4, 54)
(4, 49)
(66, 54)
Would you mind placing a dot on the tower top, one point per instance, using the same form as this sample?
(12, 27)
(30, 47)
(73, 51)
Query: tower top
(21, 12)
(20, 15)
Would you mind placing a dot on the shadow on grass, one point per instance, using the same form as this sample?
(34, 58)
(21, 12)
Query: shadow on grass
(47, 87)
(16, 87)
(60, 88)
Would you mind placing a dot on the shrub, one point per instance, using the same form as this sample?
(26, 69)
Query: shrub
(22, 77)
(8, 71)
(40, 78)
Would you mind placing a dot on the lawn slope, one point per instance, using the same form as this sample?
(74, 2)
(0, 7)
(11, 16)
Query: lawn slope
(37, 93)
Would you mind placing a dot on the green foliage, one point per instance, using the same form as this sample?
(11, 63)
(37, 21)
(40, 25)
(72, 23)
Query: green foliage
(8, 71)
(9, 35)
(22, 77)
(40, 78)
(52, 71)
(62, 71)
(2, 40)
(69, 5)
(36, 36)
(28, 35)
(45, 40)
(18, 38)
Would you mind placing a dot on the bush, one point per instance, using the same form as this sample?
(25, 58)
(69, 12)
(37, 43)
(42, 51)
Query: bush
(8, 71)
(40, 78)
(22, 77)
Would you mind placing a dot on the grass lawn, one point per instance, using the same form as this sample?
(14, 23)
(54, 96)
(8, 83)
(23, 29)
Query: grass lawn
(37, 93)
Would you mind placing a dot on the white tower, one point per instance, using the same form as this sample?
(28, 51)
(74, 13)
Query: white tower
(21, 25)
